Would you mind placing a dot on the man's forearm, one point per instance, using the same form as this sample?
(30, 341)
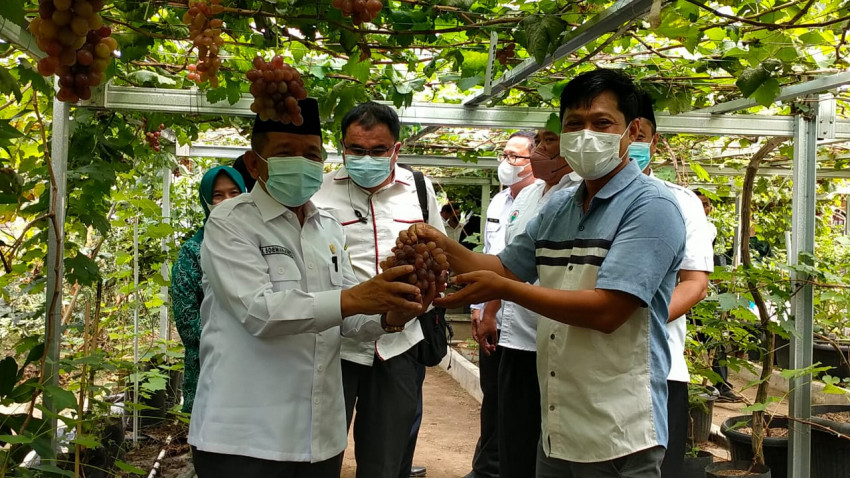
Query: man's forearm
(692, 288)
(598, 309)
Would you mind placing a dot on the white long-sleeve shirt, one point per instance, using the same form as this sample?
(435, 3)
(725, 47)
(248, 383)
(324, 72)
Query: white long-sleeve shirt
(270, 385)
(371, 237)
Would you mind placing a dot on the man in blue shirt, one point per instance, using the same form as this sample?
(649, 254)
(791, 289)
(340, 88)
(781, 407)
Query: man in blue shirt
(606, 256)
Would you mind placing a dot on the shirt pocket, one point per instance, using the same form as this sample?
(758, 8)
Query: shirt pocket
(492, 230)
(283, 272)
(335, 269)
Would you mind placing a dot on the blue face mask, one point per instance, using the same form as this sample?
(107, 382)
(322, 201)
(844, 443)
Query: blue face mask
(366, 171)
(640, 153)
(293, 180)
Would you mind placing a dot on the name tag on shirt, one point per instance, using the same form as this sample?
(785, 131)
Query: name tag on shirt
(493, 219)
(271, 250)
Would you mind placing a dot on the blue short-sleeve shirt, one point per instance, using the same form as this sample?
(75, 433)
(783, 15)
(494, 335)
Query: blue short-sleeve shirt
(604, 396)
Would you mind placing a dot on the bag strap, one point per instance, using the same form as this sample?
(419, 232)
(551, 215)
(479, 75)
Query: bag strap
(421, 190)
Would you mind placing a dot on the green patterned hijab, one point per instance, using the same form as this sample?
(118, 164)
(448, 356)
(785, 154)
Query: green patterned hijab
(205, 191)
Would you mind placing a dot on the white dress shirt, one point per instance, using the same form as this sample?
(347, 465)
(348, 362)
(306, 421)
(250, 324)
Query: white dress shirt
(498, 217)
(699, 256)
(270, 385)
(519, 325)
(371, 237)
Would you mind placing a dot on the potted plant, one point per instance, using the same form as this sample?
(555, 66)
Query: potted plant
(701, 400)
(696, 461)
(830, 441)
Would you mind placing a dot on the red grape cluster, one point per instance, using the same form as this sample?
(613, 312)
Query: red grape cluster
(78, 45)
(152, 137)
(506, 53)
(276, 87)
(359, 10)
(430, 261)
(205, 33)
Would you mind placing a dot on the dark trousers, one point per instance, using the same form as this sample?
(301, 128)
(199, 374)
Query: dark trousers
(485, 462)
(407, 462)
(641, 464)
(519, 413)
(677, 429)
(217, 465)
(385, 396)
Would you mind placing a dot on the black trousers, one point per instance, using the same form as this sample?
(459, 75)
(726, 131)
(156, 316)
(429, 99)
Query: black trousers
(407, 461)
(677, 429)
(485, 462)
(385, 396)
(519, 413)
(217, 465)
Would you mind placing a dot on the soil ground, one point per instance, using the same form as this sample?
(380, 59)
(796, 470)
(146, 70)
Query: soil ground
(448, 433)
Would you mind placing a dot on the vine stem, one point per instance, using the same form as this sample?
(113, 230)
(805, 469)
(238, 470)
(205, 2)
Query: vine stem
(758, 424)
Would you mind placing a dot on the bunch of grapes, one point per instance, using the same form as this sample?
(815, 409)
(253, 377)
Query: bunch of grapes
(152, 137)
(430, 261)
(506, 53)
(93, 57)
(205, 33)
(276, 87)
(78, 45)
(359, 10)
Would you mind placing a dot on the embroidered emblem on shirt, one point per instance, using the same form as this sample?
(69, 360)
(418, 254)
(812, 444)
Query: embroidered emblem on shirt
(270, 250)
(514, 214)
(333, 249)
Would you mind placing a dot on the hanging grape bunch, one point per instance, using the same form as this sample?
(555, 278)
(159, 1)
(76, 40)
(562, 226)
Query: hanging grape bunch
(430, 261)
(205, 33)
(506, 53)
(359, 10)
(78, 45)
(152, 137)
(276, 88)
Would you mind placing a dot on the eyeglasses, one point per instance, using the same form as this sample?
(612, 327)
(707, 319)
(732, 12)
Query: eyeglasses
(512, 158)
(379, 151)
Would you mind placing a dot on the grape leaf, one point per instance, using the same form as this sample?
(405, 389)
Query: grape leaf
(751, 79)
(543, 33)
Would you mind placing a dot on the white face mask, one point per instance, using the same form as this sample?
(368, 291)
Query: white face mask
(510, 174)
(592, 154)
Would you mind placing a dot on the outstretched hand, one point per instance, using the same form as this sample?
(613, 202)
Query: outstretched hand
(401, 318)
(478, 287)
(427, 232)
(382, 294)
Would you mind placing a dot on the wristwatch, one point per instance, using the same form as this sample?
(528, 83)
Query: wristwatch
(389, 328)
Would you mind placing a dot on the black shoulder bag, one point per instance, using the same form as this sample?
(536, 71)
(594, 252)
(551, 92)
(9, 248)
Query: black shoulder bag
(436, 331)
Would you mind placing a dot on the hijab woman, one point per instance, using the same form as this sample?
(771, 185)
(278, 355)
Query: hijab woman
(218, 184)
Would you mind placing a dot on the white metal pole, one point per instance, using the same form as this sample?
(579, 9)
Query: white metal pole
(164, 327)
(56, 251)
(136, 328)
(802, 300)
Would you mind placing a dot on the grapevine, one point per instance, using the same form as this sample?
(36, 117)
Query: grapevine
(78, 45)
(276, 88)
(359, 10)
(429, 260)
(205, 33)
(505, 54)
(152, 137)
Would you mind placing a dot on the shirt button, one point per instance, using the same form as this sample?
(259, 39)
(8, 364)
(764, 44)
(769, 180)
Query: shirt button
(310, 265)
(316, 401)
(280, 270)
(552, 336)
(320, 368)
(552, 373)
(581, 228)
(551, 408)
(570, 268)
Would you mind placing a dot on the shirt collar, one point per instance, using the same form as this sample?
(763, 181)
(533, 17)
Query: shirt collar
(270, 208)
(620, 181)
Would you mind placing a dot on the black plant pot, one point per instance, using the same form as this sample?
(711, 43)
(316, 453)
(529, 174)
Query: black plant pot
(826, 354)
(716, 470)
(782, 353)
(775, 449)
(694, 466)
(700, 418)
(830, 453)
